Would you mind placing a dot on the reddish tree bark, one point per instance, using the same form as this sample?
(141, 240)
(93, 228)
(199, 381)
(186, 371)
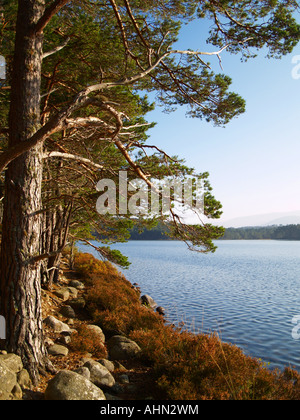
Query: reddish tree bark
(20, 284)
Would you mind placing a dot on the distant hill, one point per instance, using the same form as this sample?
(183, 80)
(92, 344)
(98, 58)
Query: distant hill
(287, 220)
(267, 219)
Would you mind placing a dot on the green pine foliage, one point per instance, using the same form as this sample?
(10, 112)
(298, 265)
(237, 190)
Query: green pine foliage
(288, 232)
(130, 44)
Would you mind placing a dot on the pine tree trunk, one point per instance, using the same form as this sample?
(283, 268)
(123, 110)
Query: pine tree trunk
(20, 285)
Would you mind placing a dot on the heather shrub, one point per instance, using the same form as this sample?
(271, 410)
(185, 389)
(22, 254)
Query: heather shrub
(190, 366)
(89, 266)
(123, 319)
(111, 299)
(85, 341)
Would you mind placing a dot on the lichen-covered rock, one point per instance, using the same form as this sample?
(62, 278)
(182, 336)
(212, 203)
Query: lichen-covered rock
(12, 361)
(100, 375)
(67, 385)
(83, 371)
(63, 293)
(8, 381)
(23, 379)
(108, 364)
(122, 348)
(13, 377)
(17, 392)
(77, 284)
(58, 350)
(56, 325)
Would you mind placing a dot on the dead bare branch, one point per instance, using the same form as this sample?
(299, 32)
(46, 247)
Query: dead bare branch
(89, 162)
(55, 50)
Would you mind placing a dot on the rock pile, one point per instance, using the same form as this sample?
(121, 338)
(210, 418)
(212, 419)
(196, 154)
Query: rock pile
(13, 377)
(91, 379)
(94, 378)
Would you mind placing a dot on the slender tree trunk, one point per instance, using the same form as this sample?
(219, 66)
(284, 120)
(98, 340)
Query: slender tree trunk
(72, 255)
(20, 284)
(58, 240)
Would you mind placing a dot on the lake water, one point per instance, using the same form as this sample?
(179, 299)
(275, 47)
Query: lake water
(247, 291)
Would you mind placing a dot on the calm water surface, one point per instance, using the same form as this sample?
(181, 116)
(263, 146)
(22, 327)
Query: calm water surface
(248, 291)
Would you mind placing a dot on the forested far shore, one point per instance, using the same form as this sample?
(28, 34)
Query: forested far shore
(287, 232)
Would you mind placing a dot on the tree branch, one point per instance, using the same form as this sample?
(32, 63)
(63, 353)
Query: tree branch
(148, 146)
(48, 155)
(58, 48)
(121, 26)
(129, 11)
(49, 93)
(58, 122)
(51, 11)
(34, 260)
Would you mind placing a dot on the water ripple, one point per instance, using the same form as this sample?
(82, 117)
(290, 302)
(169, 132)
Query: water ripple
(248, 291)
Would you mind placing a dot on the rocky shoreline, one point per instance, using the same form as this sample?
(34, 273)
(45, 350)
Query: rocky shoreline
(122, 375)
(106, 342)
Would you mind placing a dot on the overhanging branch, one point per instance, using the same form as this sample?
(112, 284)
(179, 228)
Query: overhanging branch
(72, 157)
(82, 99)
(55, 50)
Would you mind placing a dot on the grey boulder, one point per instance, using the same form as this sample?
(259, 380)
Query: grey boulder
(8, 380)
(67, 385)
(99, 374)
(122, 348)
(148, 301)
(13, 377)
(56, 325)
(58, 350)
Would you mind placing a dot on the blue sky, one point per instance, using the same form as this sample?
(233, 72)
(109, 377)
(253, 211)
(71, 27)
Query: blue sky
(253, 162)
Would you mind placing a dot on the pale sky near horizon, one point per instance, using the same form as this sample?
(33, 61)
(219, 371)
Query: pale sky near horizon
(253, 162)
